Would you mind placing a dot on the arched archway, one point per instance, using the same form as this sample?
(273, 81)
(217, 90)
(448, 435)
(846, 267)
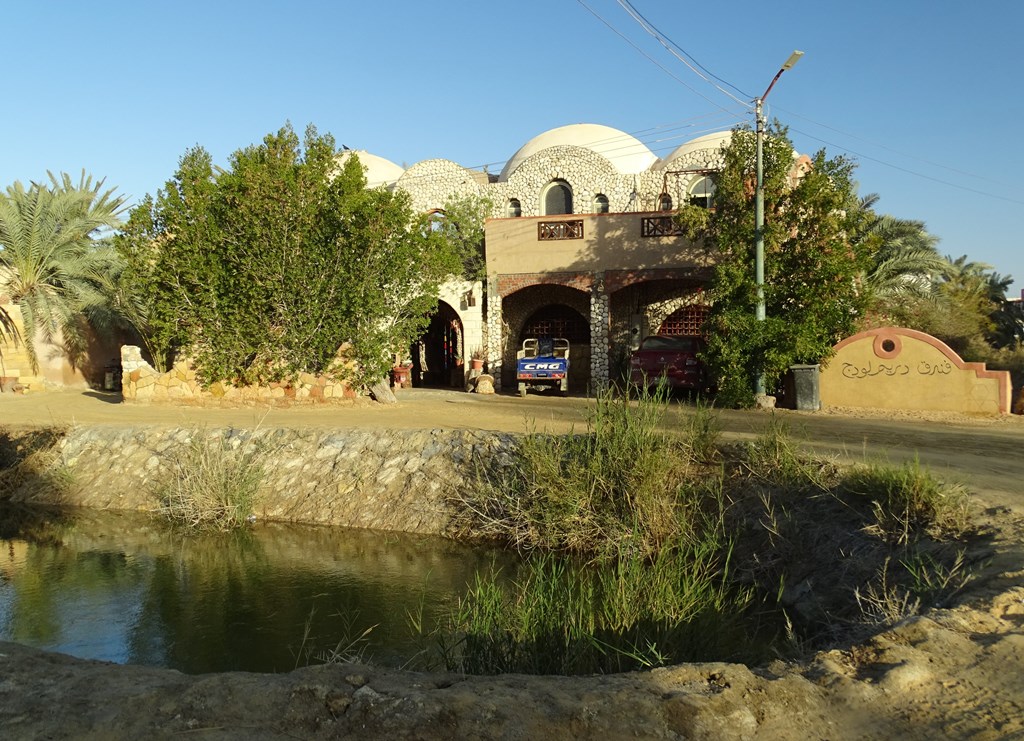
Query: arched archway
(437, 357)
(556, 198)
(552, 311)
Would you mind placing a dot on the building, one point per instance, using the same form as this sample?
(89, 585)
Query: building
(580, 244)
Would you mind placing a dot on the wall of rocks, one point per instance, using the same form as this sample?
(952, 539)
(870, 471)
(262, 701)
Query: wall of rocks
(387, 480)
(140, 382)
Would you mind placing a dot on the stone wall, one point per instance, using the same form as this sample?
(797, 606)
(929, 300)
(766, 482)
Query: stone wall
(387, 480)
(140, 382)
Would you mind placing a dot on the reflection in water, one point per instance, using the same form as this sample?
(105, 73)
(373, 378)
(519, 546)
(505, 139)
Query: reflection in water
(123, 588)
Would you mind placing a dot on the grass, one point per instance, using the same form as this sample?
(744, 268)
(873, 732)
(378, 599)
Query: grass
(645, 539)
(908, 500)
(31, 467)
(213, 484)
(633, 557)
(623, 483)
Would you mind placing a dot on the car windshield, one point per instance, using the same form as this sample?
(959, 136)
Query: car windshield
(674, 344)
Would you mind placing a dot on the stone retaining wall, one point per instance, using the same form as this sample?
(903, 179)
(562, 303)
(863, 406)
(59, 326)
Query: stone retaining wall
(140, 382)
(384, 479)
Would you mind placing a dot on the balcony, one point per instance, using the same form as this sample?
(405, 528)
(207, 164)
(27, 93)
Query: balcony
(549, 231)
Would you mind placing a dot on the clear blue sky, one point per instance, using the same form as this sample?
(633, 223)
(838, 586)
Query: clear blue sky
(926, 96)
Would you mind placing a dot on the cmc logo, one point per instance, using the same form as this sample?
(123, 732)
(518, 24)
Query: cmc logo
(542, 366)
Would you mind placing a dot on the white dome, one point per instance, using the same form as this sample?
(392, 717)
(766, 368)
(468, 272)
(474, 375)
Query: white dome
(714, 142)
(627, 154)
(378, 170)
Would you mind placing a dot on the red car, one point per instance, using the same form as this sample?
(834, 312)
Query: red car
(672, 357)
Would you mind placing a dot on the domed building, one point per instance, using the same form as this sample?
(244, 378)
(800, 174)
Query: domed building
(580, 244)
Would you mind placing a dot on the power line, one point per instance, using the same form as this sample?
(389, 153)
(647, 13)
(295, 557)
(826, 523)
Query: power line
(671, 46)
(897, 152)
(910, 172)
(653, 61)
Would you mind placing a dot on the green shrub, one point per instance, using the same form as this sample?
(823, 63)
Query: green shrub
(213, 485)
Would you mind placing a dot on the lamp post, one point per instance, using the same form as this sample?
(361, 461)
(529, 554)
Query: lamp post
(759, 312)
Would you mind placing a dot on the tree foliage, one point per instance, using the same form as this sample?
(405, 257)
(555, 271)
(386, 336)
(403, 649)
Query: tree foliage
(55, 259)
(462, 225)
(264, 269)
(812, 263)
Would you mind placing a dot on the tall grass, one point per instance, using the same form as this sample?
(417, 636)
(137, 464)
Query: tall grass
(212, 485)
(623, 483)
(775, 458)
(633, 569)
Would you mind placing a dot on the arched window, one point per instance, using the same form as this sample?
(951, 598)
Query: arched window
(557, 198)
(664, 202)
(701, 192)
(600, 203)
(514, 208)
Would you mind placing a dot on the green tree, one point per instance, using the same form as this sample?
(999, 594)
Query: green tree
(55, 258)
(813, 265)
(462, 225)
(264, 269)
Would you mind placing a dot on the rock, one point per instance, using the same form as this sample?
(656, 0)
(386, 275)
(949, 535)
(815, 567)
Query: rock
(484, 384)
(381, 392)
(764, 402)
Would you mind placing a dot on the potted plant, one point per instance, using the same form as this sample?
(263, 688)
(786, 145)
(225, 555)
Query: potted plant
(476, 358)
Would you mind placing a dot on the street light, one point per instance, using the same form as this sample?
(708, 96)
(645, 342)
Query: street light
(759, 389)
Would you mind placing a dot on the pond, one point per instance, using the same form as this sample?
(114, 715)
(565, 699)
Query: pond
(122, 587)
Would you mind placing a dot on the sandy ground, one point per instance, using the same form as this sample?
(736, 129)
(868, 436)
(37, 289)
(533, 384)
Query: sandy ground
(953, 673)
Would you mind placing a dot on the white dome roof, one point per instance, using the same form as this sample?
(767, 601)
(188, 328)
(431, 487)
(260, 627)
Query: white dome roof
(379, 171)
(626, 153)
(714, 141)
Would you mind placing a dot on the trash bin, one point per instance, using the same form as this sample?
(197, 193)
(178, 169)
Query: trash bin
(805, 393)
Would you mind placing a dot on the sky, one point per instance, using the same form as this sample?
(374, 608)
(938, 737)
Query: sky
(926, 97)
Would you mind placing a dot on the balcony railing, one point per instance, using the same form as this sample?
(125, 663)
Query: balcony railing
(659, 226)
(552, 230)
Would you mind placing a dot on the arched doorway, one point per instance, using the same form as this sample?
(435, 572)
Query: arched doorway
(437, 357)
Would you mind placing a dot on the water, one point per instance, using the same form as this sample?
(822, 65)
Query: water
(124, 588)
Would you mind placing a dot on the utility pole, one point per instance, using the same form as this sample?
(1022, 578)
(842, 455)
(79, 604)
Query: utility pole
(759, 313)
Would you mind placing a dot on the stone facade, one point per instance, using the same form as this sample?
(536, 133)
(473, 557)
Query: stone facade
(382, 479)
(616, 185)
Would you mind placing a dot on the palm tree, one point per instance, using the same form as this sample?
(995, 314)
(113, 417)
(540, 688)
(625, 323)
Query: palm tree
(54, 260)
(905, 261)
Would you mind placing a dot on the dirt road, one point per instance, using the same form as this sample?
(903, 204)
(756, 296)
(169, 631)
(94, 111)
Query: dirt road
(986, 453)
